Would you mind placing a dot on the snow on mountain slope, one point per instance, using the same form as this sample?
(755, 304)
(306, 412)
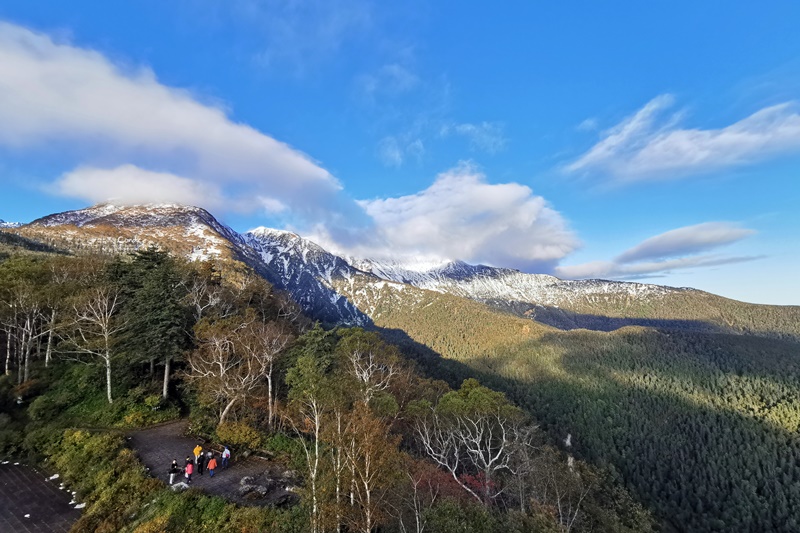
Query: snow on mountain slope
(420, 273)
(308, 273)
(327, 287)
(189, 231)
(481, 282)
(4, 224)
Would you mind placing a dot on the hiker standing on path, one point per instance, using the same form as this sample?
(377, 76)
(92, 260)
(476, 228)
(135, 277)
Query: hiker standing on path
(173, 469)
(212, 465)
(198, 451)
(201, 463)
(189, 471)
(226, 455)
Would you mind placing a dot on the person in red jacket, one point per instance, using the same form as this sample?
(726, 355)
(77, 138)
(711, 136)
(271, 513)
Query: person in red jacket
(212, 465)
(189, 470)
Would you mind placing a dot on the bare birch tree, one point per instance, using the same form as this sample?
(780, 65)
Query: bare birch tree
(96, 322)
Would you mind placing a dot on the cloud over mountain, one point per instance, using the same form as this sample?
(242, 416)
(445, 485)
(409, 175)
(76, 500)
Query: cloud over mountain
(55, 93)
(141, 141)
(462, 216)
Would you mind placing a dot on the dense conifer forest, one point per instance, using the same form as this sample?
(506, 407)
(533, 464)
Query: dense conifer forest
(94, 345)
(702, 427)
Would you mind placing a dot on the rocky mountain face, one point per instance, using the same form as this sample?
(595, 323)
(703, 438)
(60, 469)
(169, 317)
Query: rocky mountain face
(355, 291)
(309, 274)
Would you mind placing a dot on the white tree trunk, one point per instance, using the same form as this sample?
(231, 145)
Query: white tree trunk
(8, 351)
(20, 350)
(165, 389)
(270, 400)
(48, 355)
(108, 377)
(227, 410)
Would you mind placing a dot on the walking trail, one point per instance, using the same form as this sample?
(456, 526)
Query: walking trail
(247, 481)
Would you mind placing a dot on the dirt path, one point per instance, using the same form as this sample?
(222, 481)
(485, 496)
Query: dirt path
(266, 484)
(24, 490)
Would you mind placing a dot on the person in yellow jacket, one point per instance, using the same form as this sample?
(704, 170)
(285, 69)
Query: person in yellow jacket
(198, 452)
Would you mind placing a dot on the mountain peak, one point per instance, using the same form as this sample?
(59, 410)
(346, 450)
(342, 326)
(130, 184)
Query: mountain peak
(127, 215)
(4, 224)
(263, 231)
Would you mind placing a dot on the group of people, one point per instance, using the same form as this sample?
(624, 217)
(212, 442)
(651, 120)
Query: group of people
(202, 461)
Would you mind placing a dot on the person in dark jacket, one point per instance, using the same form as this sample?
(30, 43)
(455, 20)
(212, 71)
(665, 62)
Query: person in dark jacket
(174, 469)
(201, 463)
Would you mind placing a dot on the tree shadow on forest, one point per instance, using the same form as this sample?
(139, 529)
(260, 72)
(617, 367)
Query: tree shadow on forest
(430, 363)
(699, 467)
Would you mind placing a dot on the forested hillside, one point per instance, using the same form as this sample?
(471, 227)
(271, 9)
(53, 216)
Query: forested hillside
(98, 343)
(704, 427)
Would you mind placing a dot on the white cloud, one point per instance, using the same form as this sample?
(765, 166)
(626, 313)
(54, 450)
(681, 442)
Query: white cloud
(298, 35)
(391, 79)
(141, 142)
(128, 184)
(676, 249)
(651, 144)
(685, 241)
(390, 152)
(393, 151)
(486, 137)
(590, 124)
(651, 269)
(54, 93)
(461, 216)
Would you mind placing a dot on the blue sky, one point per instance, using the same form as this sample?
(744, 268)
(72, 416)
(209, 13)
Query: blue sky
(655, 141)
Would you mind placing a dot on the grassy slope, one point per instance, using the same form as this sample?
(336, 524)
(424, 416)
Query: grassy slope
(690, 310)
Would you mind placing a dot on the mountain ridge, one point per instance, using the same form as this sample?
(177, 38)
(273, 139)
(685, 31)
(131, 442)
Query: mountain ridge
(346, 290)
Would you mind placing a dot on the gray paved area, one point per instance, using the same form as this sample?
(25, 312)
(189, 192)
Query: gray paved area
(27, 491)
(158, 446)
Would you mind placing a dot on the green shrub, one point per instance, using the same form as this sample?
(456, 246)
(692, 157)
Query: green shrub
(10, 441)
(286, 449)
(41, 441)
(153, 401)
(43, 408)
(239, 434)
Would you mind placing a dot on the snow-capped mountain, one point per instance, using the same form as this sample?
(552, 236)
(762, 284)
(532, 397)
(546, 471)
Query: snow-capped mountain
(4, 224)
(189, 231)
(318, 280)
(292, 264)
(421, 273)
(353, 291)
(485, 283)
(308, 273)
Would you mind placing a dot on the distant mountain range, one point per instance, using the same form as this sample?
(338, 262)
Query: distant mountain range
(4, 224)
(354, 291)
